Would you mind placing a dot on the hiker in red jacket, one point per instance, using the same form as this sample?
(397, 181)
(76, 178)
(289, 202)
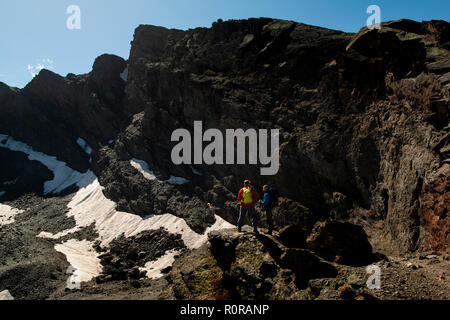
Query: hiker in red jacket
(247, 198)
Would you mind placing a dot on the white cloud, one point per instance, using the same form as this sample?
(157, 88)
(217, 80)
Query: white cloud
(30, 69)
(46, 63)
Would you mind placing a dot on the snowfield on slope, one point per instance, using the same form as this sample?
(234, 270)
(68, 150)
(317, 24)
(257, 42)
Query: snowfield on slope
(63, 176)
(85, 146)
(82, 257)
(153, 268)
(90, 206)
(7, 214)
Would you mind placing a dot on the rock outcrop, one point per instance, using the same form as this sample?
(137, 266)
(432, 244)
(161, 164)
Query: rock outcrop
(20, 175)
(363, 119)
(125, 256)
(341, 242)
(247, 267)
(360, 116)
(434, 210)
(52, 112)
(293, 236)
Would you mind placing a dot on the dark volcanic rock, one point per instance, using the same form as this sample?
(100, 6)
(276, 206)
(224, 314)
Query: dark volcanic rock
(196, 276)
(363, 120)
(52, 112)
(19, 175)
(126, 255)
(135, 194)
(364, 130)
(341, 242)
(30, 267)
(306, 266)
(293, 236)
(434, 211)
(254, 267)
(359, 114)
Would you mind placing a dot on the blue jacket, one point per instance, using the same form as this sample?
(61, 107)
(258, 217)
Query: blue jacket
(267, 201)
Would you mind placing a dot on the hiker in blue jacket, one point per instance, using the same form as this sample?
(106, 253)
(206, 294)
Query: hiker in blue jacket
(267, 204)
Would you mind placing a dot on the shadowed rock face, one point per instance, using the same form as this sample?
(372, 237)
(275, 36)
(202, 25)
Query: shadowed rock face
(341, 242)
(21, 175)
(245, 266)
(293, 236)
(361, 116)
(435, 205)
(52, 112)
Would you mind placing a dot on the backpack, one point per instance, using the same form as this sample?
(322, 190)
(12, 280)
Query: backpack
(247, 196)
(273, 197)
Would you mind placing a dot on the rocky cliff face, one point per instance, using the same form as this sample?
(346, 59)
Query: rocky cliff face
(364, 116)
(51, 113)
(364, 138)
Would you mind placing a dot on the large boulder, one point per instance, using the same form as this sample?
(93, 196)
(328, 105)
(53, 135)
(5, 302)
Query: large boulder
(306, 266)
(292, 236)
(434, 209)
(256, 266)
(341, 242)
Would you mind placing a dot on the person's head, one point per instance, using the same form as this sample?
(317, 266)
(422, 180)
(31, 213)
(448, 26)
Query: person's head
(247, 183)
(265, 188)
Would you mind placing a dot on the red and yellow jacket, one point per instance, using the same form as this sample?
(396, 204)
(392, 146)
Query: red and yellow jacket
(247, 198)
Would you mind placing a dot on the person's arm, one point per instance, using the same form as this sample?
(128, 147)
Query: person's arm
(266, 199)
(240, 195)
(255, 196)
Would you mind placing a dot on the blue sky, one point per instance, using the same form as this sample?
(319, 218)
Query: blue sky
(34, 33)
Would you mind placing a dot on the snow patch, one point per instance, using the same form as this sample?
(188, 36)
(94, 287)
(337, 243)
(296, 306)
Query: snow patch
(153, 268)
(84, 145)
(9, 183)
(7, 214)
(194, 171)
(59, 235)
(177, 180)
(124, 74)
(6, 296)
(144, 169)
(63, 176)
(82, 256)
(90, 206)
